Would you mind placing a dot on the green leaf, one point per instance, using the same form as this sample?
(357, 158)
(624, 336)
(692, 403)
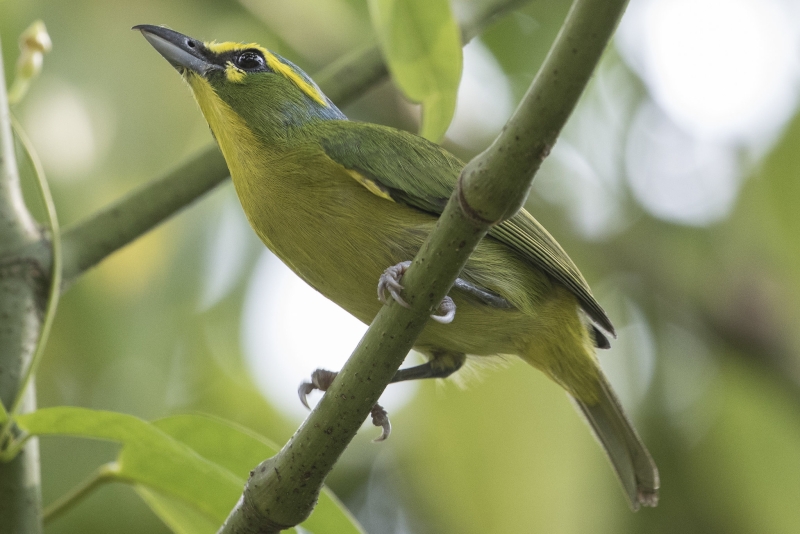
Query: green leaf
(421, 42)
(148, 456)
(239, 450)
(227, 444)
(180, 517)
(184, 519)
(190, 469)
(330, 516)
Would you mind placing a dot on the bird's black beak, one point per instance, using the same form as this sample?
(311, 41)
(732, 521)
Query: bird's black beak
(183, 52)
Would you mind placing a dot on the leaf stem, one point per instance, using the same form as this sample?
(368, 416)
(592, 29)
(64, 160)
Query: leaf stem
(13, 446)
(103, 474)
(55, 275)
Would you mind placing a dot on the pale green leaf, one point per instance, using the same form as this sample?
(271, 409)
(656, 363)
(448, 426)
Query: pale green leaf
(184, 519)
(239, 450)
(421, 42)
(149, 456)
(331, 517)
(179, 516)
(190, 469)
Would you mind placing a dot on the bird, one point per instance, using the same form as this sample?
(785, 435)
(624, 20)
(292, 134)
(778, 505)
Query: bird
(346, 204)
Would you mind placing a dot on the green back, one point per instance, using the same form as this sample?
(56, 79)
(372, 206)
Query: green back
(413, 171)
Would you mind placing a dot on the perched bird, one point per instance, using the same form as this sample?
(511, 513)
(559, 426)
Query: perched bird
(340, 201)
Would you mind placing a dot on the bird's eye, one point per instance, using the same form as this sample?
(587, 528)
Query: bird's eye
(250, 60)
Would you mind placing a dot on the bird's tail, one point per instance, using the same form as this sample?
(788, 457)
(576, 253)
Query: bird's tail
(631, 461)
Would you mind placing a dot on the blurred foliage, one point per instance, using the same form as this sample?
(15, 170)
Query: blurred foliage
(707, 358)
(421, 42)
(173, 462)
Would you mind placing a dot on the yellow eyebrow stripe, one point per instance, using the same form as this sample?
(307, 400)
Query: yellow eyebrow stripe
(273, 63)
(221, 48)
(279, 66)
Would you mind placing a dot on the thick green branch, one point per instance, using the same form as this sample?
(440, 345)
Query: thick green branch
(283, 489)
(530, 134)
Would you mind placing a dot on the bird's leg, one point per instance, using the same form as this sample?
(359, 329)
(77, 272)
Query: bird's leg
(390, 282)
(441, 365)
(487, 297)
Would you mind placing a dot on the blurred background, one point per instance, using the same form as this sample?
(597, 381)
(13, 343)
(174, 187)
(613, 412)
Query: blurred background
(674, 187)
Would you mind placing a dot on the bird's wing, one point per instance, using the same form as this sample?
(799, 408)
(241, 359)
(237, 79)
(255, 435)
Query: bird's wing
(524, 233)
(408, 169)
(391, 163)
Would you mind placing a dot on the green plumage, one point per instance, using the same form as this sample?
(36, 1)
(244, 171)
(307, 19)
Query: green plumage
(340, 201)
(422, 175)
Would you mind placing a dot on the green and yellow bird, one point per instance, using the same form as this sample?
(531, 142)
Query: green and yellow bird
(340, 201)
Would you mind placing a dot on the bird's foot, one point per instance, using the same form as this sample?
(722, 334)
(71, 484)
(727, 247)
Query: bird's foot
(446, 311)
(381, 418)
(322, 379)
(390, 282)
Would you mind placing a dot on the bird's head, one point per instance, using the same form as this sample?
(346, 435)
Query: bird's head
(266, 91)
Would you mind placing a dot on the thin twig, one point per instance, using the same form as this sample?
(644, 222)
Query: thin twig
(55, 272)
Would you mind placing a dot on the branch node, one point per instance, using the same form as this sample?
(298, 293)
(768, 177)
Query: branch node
(471, 214)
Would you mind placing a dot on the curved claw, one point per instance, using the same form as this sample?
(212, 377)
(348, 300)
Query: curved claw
(381, 418)
(390, 281)
(304, 389)
(321, 379)
(447, 311)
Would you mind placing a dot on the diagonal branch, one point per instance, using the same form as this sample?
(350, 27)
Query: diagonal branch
(282, 491)
(90, 241)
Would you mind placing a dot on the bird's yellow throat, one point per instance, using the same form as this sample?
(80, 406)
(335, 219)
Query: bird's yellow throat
(236, 140)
